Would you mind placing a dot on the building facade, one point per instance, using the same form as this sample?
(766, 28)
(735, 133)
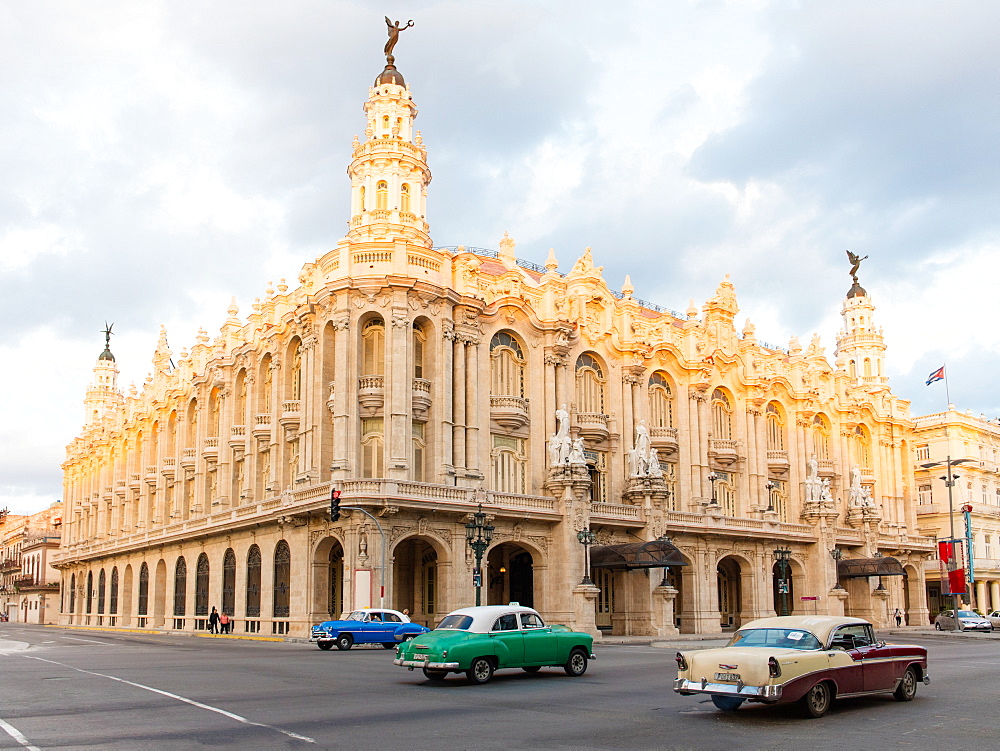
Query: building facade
(425, 382)
(29, 585)
(972, 444)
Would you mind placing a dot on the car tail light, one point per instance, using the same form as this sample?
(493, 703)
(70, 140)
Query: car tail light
(773, 667)
(682, 664)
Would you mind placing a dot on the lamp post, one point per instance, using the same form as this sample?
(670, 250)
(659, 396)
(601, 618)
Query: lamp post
(770, 495)
(477, 536)
(586, 538)
(713, 478)
(949, 482)
(666, 539)
(782, 556)
(837, 554)
(880, 587)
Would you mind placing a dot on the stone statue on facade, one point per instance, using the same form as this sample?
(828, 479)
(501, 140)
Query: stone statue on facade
(814, 486)
(859, 494)
(642, 443)
(642, 459)
(561, 445)
(576, 455)
(653, 468)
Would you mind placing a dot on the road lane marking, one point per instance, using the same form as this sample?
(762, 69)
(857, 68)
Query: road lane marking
(91, 641)
(13, 733)
(192, 702)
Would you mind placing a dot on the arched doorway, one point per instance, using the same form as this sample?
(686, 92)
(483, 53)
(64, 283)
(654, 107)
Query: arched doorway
(328, 596)
(730, 592)
(674, 576)
(416, 581)
(509, 575)
(127, 596)
(160, 593)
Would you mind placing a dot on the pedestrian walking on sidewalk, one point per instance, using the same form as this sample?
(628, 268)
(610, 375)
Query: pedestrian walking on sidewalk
(213, 622)
(224, 622)
(898, 615)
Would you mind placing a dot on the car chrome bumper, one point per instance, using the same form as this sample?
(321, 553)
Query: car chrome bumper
(320, 637)
(425, 664)
(763, 693)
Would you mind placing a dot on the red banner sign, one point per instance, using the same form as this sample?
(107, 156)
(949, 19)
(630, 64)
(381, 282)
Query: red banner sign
(956, 582)
(946, 551)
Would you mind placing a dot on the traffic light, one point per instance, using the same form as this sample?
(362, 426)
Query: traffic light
(334, 505)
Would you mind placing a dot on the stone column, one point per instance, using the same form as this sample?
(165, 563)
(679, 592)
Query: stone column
(398, 388)
(995, 595)
(585, 613)
(458, 394)
(982, 601)
(444, 456)
(345, 389)
(663, 611)
(473, 408)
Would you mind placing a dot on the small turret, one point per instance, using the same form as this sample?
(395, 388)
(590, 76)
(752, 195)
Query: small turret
(102, 394)
(860, 346)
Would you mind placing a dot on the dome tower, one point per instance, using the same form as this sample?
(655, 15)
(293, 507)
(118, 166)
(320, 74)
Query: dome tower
(860, 346)
(102, 394)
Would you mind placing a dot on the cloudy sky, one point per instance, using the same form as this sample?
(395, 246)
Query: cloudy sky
(157, 158)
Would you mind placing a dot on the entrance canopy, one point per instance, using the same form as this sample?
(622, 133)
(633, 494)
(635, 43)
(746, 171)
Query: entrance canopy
(852, 568)
(652, 554)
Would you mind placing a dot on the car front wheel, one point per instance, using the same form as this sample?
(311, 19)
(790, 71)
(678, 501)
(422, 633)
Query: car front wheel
(576, 665)
(480, 671)
(937, 626)
(817, 700)
(727, 703)
(388, 645)
(324, 645)
(345, 641)
(907, 687)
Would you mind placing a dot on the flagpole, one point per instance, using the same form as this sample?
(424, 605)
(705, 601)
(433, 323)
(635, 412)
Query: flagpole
(947, 394)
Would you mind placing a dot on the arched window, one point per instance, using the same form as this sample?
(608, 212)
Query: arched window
(282, 579)
(862, 447)
(90, 592)
(191, 439)
(775, 428)
(295, 374)
(868, 367)
(229, 582)
(361, 197)
(385, 124)
(725, 493)
(590, 384)
(661, 402)
(72, 593)
(101, 589)
(510, 464)
(143, 605)
(113, 599)
(419, 342)
(215, 409)
(506, 366)
(404, 198)
(778, 499)
(372, 445)
(821, 437)
(419, 450)
(382, 195)
(266, 379)
(253, 582)
(722, 416)
(201, 586)
(373, 348)
(180, 588)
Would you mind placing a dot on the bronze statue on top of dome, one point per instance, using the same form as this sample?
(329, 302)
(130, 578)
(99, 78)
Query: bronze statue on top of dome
(855, 264)
(394, 29)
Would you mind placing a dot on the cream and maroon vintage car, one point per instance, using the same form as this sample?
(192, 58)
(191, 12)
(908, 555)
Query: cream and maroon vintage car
(807, 659)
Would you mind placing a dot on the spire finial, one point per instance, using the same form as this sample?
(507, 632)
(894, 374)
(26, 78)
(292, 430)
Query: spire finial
(394, 29)
(106, 354)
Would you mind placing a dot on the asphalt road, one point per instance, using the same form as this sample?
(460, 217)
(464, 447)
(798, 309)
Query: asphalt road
(77, 689)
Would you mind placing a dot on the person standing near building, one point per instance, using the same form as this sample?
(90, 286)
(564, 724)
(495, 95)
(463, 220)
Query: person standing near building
(224, 623)
(213, 622)
(898, 615)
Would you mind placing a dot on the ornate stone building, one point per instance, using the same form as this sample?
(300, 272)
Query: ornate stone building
(973, 445)
(29, 585)
(425, 381)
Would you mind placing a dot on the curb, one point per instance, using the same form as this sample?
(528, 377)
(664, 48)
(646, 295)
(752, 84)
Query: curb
(167, 632)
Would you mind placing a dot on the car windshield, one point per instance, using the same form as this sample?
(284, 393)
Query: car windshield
(358, 615)
(456, 622)
(968, 614)
(784, 638)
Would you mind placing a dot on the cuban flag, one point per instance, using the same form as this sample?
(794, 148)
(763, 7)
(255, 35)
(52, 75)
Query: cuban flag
(937, 375)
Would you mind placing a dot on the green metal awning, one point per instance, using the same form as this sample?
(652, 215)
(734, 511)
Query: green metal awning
(853, 568)
(652, 554)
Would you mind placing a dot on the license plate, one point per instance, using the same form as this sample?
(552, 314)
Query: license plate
(729, 677)
(421, 658)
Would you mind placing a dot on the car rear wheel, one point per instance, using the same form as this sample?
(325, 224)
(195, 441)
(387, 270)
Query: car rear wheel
(907, 687)
(324, 645)
(532, 668)
(388, 645)
(435, 675)
(345, 641)
(937, 626)
(576, 665)
(727, 703)
(817, 700)
(480, 671)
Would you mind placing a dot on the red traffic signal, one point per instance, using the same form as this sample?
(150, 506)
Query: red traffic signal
(334, 505)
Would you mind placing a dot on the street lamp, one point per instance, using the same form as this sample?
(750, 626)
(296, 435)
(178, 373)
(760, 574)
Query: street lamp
(949, 482)
(586, 538)
(713, 478)
(477, 536)
(881, 586)
(666, 539)
(782, 556)
(837, 554)
(770, 495)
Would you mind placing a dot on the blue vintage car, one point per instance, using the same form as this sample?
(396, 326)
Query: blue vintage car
(385, 627)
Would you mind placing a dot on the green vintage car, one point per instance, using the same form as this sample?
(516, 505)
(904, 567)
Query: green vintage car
(481, 640)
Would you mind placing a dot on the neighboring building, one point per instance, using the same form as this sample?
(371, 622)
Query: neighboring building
(974, 442)
(423, 381)
(29, 588)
